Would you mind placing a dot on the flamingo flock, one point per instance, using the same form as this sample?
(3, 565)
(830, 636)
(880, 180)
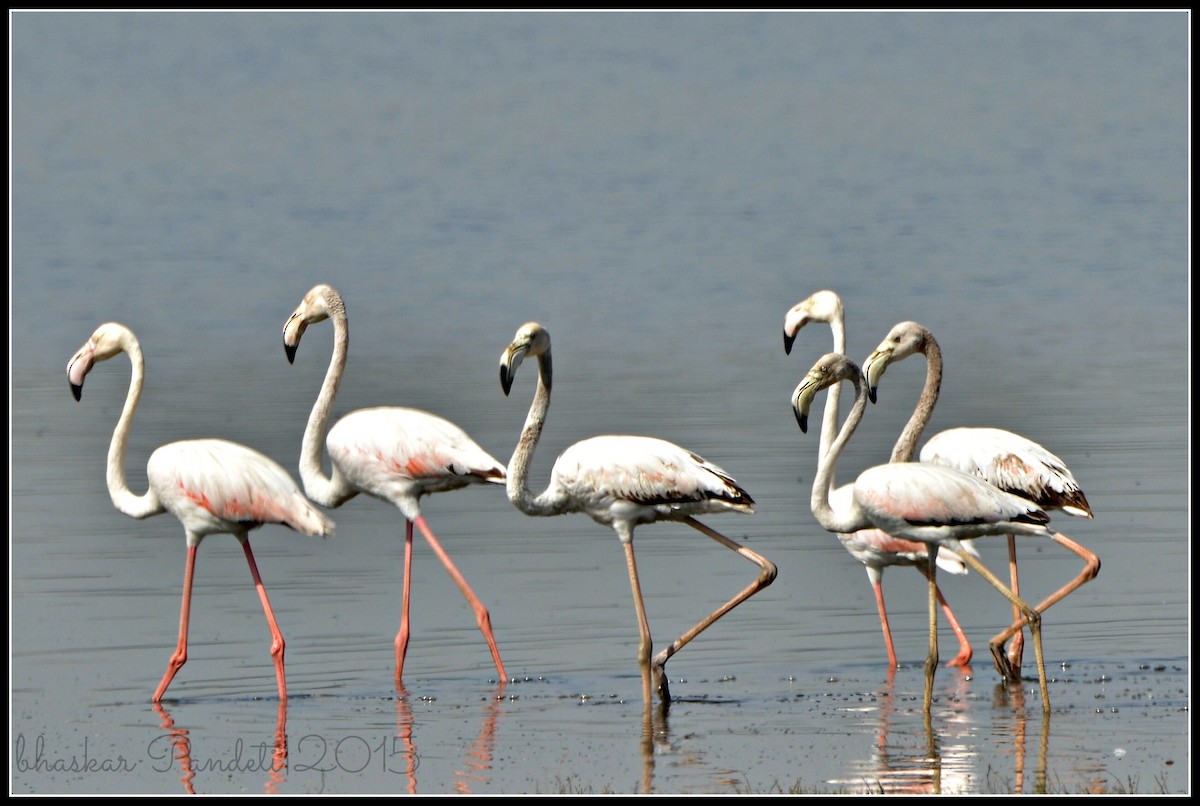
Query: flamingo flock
(926, 511)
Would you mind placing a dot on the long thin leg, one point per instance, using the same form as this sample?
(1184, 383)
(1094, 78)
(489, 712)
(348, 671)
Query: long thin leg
(277, 645)
(965, 652)
(877, 585)
(931, 660)
(1017, 650)
(179, 657)
(482, 618)
(643, 653)
(1031, 616)
(402, 636)
(1090, 570)
(765, 577)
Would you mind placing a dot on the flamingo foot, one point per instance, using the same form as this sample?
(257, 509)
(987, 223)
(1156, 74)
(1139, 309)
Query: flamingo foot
(1008, 672)
(659, 672)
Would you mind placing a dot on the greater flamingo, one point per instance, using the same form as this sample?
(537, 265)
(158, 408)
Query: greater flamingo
(876, 550)
(938, 505)
(211, 485)
(394, 454)
(1005, 460)
(623, 481)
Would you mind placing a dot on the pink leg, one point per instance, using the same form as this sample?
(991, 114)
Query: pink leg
(402, 636)
(481, 614)
(1090, 569)
(1017, 648)
(964, 646)
(276, 636)
(883, 621)
(175, 663)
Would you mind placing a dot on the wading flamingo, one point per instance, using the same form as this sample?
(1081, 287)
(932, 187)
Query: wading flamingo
(211, 485)
(394, 454)
(876, 550)
(938, 505)
(623, 481)
(1003, 459)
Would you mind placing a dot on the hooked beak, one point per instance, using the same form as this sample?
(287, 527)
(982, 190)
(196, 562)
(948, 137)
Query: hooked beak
(802, 400)
(512, 357)
(873, 369)
(78, 368)
(292, 331)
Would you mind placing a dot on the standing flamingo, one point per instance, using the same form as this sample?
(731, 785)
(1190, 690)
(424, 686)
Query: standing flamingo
(624, 481)
(394, 454)
(937, 505)
(1005, 460)
(211, 485)
(876, 550)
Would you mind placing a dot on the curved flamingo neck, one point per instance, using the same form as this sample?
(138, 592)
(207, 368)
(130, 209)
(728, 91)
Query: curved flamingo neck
(829, 423)
(906, 443)
(322, 488)
(518, 466)
(124, 499)
(831, 520)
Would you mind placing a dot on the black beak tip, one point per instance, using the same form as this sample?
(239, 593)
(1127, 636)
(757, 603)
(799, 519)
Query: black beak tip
(802, 419)
(505, 380)
(290, 351)
(872, 392)
(788, 341)
(77, 391)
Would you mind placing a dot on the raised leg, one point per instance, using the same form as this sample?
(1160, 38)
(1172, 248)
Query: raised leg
(766, 576)
(277, 645)
(1031, 616)
(401, 642)
(179, 657)
(482, 618)
(1090, 570)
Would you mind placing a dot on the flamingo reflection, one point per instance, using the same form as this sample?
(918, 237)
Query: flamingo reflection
(1010, 699)
(181, 749)
(910, 757)
(479, 755)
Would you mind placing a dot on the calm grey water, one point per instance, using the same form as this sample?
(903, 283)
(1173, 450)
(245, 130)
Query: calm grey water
(658, 189)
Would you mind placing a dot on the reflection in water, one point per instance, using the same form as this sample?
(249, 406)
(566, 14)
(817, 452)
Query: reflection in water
(1010, 699)
(479, 755)
(181, 747)
(932, 762)
(181, 750)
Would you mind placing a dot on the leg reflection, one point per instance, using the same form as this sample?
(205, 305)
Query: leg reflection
(404, 730)
(181, 747)
(479, 754)
(1011, 698)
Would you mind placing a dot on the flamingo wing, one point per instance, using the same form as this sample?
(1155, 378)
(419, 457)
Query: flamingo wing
(931, 502)
(647, 472)
(1012, 463)
(216, 486)
(392, 451)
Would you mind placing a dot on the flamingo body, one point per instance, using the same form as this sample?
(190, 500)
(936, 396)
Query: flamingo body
(937, 505)
(1001, 458)
(623, 481)
(401, 454)
(391, 453)
(212, 486)
(635, 479)
(875, 549)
